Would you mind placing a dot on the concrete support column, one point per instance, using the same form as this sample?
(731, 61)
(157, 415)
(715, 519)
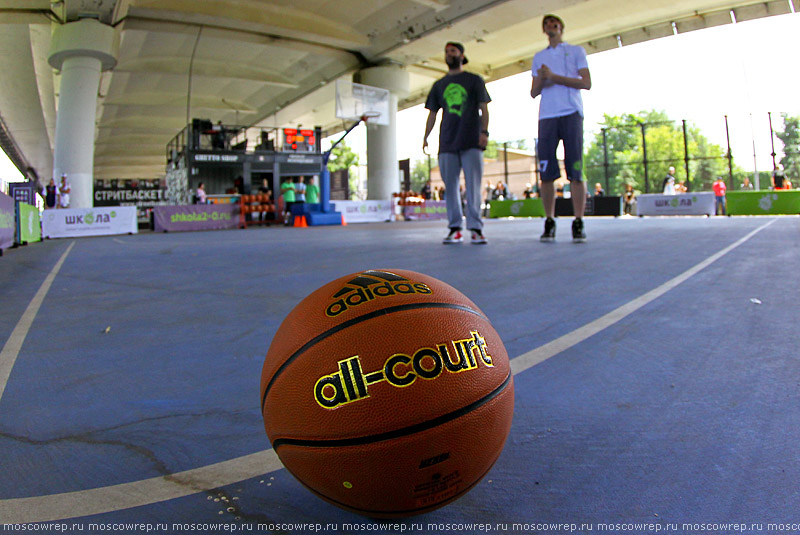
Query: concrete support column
(81, 50)
(382, 172)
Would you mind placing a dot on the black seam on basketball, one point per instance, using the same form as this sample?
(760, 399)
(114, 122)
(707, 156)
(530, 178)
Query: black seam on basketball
(355, 321)
(397, 433)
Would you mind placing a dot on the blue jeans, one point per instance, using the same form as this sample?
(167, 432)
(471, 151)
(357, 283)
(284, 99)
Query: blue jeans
(720, 206)
(451, 164)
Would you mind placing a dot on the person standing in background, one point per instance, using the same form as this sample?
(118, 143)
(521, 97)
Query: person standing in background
(463, 135)
(200, 194)
(668, 185)
(63, 192)
(719, 188)
(287, 193)
(778, 178)
(559, 73)
(312, 191)
(264, 189)
(50, 193)
(628, 197)
(299, 190)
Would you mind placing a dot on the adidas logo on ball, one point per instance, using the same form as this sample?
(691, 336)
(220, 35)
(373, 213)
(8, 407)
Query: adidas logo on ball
(370, 285)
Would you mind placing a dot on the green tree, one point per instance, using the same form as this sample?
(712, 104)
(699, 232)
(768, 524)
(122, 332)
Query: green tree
(420, 173)
(710, 163)
(343, 157)
(664, 139)
(519, 144)
(790, 136)
(623, 139)
(491, 150)
(739, 174)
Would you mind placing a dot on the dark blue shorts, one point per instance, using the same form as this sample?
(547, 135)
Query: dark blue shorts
(568, 129)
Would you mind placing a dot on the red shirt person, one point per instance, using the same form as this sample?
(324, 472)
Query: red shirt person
(720, 188)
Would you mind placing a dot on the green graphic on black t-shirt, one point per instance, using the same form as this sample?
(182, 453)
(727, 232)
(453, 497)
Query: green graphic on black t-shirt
(455, 95)
(460, 97)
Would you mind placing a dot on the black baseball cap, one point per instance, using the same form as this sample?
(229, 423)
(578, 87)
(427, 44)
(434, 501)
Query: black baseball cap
(460, 47)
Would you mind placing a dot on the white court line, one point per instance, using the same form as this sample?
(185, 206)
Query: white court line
(8, 356)
(137, 493)
(158, 489)
(542, 353)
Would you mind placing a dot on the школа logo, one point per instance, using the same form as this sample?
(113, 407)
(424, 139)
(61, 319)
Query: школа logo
(89, 218)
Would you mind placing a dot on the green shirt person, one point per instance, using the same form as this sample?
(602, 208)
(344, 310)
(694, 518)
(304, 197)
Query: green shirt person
(287, 190)
(312, 192)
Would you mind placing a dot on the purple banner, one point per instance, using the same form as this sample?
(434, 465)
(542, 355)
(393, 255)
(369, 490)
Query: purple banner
(196, 217)
(426, 210)
(7, 224)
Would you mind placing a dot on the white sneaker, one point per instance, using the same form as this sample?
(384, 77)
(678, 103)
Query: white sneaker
(455, 236)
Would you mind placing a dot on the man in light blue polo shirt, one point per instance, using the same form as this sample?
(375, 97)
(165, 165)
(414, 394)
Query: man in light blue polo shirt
(559, 72)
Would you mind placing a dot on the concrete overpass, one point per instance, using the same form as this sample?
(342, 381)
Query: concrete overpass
(274, 63)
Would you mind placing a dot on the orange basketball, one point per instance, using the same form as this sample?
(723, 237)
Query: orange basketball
(387, 393)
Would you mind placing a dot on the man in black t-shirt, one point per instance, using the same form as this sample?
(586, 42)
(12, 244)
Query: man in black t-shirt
(463, 135)
(778, 178)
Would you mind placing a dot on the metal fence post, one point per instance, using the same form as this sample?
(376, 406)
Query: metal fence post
(644, 154)
(605, 158)
(686, 157)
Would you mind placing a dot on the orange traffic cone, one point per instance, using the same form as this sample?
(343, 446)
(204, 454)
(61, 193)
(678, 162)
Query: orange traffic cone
(300, 221)
(344, 223)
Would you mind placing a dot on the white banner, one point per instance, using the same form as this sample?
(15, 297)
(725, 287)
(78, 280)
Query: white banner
(700, 203)
(98, 221)
(364, 211)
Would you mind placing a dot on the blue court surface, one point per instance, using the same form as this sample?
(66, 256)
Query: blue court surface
(657, 376)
